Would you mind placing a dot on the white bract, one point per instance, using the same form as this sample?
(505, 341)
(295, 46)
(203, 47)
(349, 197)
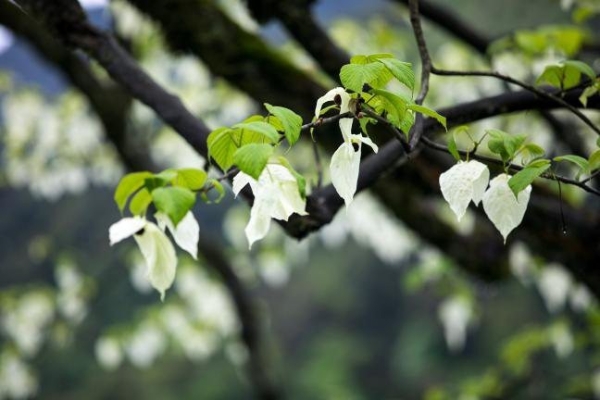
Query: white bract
(186, 234)
(155, 246)
(345, 162)
(463, 183)
(276, 195)
(502, 208)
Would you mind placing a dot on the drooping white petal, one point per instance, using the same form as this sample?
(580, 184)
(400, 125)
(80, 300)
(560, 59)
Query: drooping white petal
(501, 206)
(186, 234)
(160, 257)
(464, 182)
(240, 181)
(125, 228)
(260, 220)
(330, 96)
(366, 140)
(344, 169)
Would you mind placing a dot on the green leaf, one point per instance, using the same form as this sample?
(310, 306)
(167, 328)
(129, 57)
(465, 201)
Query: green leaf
(292, 122)
(524, 177)
(128, 185)
(252, 158)
(394, 106)
(452, 147)
(531, 151)
(174, 201)
(160, 180)
(587, 93)
(400, 70)
(355, 76)
(140, 202)
(580, 162)
(594, 160)
(260, 127)
(580, 66)
(503, 144)
(190, 178)
(428, 112)
(565, 75)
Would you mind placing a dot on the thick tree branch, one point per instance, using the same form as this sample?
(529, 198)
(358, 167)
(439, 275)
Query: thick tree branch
(68, 21)
(228, 51)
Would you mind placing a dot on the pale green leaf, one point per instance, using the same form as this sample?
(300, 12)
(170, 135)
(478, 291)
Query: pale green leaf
(524, 177)
(128, 185)
(140, 202)
(355, 76)
(252, 158)
(190, 178)
(401, 70)
(594, 160)
(260, 127)
(292, 122)
(580, 162)
(452, 148)
(174, 201)
(428, 112)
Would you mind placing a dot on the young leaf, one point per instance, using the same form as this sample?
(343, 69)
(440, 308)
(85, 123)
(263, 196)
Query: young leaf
(503, 144)
(252, 158)
(594, 160)
(221, 146)
(173, 201)
(128, 185)
(532, 151)
(140, 202)
(354, 76)
(394, 106)
(190, 178)
(452, 147)
(524, 177)
(260, 127)
(401, 71)
(580, 162)
(580, 66)
(292, 122)
(428, 112)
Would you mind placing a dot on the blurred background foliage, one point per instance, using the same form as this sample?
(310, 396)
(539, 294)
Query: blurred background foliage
(362, 310)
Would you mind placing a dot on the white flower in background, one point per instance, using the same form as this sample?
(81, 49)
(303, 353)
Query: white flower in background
(595, 382)
(463, 183)
(455, 314)
(502, 208)
(17, 380)
(561, 339)
(145, 345)
(108, 353)
(580, 298)
(522, 264)
(345, 162)
(554, 284)
(186, 233)
(155, 246)
(276, 195)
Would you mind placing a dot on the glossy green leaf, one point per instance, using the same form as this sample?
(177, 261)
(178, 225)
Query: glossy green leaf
(128, 185)
(191, 178)
(428, 112)
(523, 178)
(580, 162)
(503, 144)
(355, 76)
(594, 160)
(291, 122)
(174, 201)
(389, 104)
(260, 127)
(252, 158)
(224, 142)
(400, 70)
(140, 202)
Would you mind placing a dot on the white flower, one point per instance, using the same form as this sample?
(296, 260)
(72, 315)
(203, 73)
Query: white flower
(463, 183)
(276, 195)
(186, 234)
(502, 208)
(455, 314)
(345, 162)
(155, 246)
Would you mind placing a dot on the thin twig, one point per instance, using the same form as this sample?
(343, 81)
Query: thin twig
(413, 7)
(525, 86)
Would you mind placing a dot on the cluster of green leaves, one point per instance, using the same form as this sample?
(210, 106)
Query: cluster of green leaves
(566, 74)
(566, 39)
(368, 75)
(172, 191)
(250, 144)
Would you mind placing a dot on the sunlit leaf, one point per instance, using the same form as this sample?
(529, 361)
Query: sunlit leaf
(578, 161)
(292, 122)
(527, 175)
(139, 202)
(128, 185)
(174, 201)
(252, 158)
(190, 178)
(428, 112)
